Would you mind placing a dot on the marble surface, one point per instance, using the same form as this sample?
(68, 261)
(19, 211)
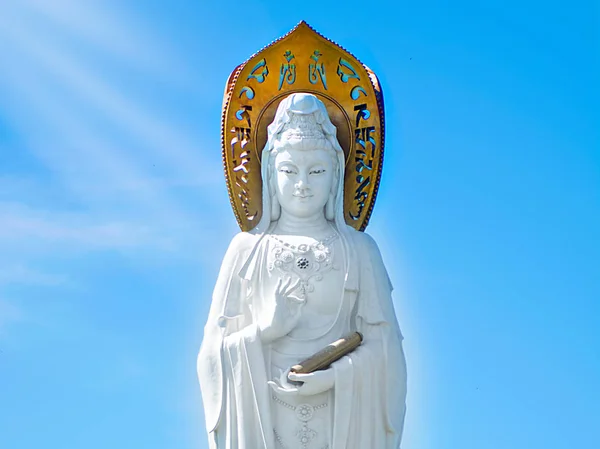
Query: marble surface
(298, 281)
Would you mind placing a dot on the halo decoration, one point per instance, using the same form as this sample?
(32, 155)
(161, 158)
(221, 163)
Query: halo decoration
(303, 61)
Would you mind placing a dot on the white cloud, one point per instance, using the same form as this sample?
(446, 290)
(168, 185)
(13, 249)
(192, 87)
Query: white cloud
(21, 274)
(117, 173)
(100, 27)
(101, 165)
(23, 228)
(123, 162)
(48, 79)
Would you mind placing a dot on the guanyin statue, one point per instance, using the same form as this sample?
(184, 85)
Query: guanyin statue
(298, 279)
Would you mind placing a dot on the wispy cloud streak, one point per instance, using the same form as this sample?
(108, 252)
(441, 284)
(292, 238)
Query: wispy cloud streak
(170, 146)
(121, 38)
(27, 227)
(123, 160)
(22, 274)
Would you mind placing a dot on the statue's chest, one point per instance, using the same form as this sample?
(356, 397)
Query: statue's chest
(315, 265)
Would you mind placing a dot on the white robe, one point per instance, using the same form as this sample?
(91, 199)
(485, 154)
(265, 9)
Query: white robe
(370, 383)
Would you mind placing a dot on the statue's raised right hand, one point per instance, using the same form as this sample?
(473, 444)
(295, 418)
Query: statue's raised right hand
(286, 313)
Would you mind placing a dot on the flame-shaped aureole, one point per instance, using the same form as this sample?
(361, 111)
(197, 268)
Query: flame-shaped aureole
(303, 61)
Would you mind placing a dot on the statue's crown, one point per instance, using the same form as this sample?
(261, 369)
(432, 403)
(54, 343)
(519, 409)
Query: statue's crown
(302, 127)
(300, 112)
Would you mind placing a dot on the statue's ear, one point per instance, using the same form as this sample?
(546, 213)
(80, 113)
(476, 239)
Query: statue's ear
(275, 208)
(330, 208)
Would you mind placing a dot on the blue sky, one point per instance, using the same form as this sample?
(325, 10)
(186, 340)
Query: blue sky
(114, 213)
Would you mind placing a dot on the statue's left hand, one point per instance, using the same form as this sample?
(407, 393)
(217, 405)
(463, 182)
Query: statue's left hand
(315, 382)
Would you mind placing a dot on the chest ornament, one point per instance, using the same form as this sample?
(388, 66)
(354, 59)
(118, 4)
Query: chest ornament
(308, 262)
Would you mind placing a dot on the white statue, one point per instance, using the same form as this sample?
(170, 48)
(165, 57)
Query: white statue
(298, 281)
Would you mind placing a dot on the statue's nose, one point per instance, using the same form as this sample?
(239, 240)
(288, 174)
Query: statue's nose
(302, 183)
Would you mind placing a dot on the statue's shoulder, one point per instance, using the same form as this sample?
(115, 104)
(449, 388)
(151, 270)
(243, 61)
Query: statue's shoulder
(361, 239)
(240, 246)
(242, 242)
(368, 249)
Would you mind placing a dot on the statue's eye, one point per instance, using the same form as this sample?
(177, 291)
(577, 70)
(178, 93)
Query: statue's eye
(317, 171)
(287, 171)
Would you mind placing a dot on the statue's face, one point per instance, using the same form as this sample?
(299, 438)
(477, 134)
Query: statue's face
(304, 179)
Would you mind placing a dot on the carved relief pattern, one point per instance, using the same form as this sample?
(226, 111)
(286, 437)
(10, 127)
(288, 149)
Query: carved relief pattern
(288, 70)
(259, 71)
(304, 413)
(316, 71)
(307, 262)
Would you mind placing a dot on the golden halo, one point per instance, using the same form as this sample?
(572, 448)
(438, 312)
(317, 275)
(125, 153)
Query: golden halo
(303, 61)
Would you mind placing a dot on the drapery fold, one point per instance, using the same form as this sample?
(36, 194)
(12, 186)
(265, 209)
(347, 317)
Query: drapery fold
(370, 383)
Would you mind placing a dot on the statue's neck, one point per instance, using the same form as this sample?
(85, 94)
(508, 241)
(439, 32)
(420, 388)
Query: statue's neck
(310, 226)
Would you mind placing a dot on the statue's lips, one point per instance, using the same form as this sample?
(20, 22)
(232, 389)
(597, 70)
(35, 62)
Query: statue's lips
(303, 196)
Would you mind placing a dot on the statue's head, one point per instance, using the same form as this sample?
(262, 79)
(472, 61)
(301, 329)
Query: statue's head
(303, 163)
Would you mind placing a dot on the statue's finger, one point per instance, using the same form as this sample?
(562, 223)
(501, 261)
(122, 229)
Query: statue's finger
(293, 287)
(298, 377)
(286, 285)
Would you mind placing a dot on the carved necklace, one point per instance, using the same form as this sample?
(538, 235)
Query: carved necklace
(307, 261)
(304, 413)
